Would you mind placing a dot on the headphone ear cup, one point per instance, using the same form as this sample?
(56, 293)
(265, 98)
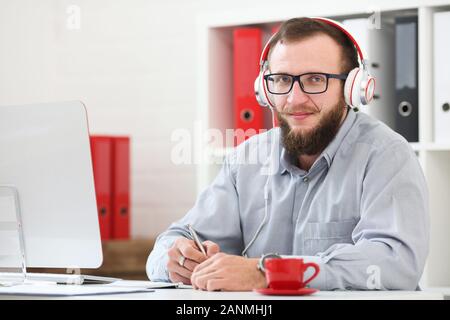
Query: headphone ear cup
(352, 88)
(260, 91)
(369, 89)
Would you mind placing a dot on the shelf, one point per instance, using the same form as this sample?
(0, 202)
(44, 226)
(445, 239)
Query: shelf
(438, 147)
(124, 259)
(416, 146)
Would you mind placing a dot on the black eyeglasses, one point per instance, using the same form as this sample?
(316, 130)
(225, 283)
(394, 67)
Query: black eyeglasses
(310, 82)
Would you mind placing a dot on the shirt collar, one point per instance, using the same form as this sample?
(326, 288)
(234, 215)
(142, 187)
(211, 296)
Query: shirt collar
(330, 151)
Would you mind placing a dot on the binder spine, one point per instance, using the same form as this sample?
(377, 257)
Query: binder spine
(441, 77)
(121, 188)
(246, 54)
(406, 59)
(101, 150)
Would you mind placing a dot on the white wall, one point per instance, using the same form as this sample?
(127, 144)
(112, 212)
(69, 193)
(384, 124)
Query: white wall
(134, 65)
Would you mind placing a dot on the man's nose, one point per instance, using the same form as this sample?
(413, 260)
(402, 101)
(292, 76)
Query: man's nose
(297, 96)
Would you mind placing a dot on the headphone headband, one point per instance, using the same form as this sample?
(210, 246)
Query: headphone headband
(265, 52)
(347, 33)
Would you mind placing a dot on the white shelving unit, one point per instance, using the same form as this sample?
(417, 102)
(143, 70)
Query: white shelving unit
(215, 106)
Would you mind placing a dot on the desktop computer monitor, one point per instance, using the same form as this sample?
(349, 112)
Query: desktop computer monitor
(45, 154)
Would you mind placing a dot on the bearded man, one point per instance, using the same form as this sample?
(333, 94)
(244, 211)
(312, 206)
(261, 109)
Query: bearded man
(346, 193)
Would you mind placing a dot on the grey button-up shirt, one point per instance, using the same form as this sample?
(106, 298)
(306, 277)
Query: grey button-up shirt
(360, 212)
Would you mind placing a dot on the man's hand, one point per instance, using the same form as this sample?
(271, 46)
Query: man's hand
(228, 273)
(187, 248)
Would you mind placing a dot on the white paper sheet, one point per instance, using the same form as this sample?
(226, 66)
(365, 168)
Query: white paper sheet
(145, 284)
(67, 290)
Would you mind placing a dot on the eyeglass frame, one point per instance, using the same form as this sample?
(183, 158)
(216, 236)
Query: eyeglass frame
(342, 76)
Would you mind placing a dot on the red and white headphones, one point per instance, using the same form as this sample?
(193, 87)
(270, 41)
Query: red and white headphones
(359, 86)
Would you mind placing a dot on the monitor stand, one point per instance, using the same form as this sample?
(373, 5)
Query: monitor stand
(13, 268)
(12, 261)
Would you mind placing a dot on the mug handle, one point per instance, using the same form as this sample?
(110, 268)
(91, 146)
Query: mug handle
(311, 265)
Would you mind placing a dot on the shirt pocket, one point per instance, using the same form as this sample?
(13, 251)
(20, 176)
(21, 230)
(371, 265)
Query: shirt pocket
(319, 236)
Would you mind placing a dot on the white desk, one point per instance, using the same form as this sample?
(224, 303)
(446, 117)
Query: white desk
(189, 294)
(444, 290)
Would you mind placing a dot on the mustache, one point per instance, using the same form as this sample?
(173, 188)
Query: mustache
(299, 110)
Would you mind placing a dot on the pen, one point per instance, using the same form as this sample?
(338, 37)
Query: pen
(196, 239)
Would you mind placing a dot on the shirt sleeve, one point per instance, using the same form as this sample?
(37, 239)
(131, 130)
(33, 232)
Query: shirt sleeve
(215, 217)
(392, 236)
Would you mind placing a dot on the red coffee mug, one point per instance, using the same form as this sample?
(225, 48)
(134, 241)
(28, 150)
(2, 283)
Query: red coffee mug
(288, 273)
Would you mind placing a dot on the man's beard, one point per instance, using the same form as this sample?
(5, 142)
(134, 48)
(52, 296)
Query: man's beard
(315, 140)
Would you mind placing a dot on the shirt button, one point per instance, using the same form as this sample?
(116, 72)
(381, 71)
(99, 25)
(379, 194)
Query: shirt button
(305, 179)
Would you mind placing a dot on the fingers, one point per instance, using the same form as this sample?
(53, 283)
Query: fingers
(202, 281)
(175, 254)
(176, 268)
(228, 273)
(206, 271)
(183, 247)
(190, 265)
(211, 248)
(208, 262)
(189, 250)
(215, 284)
(175, 277)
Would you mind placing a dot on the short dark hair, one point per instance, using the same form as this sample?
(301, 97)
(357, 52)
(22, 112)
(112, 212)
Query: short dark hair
(302, 28)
